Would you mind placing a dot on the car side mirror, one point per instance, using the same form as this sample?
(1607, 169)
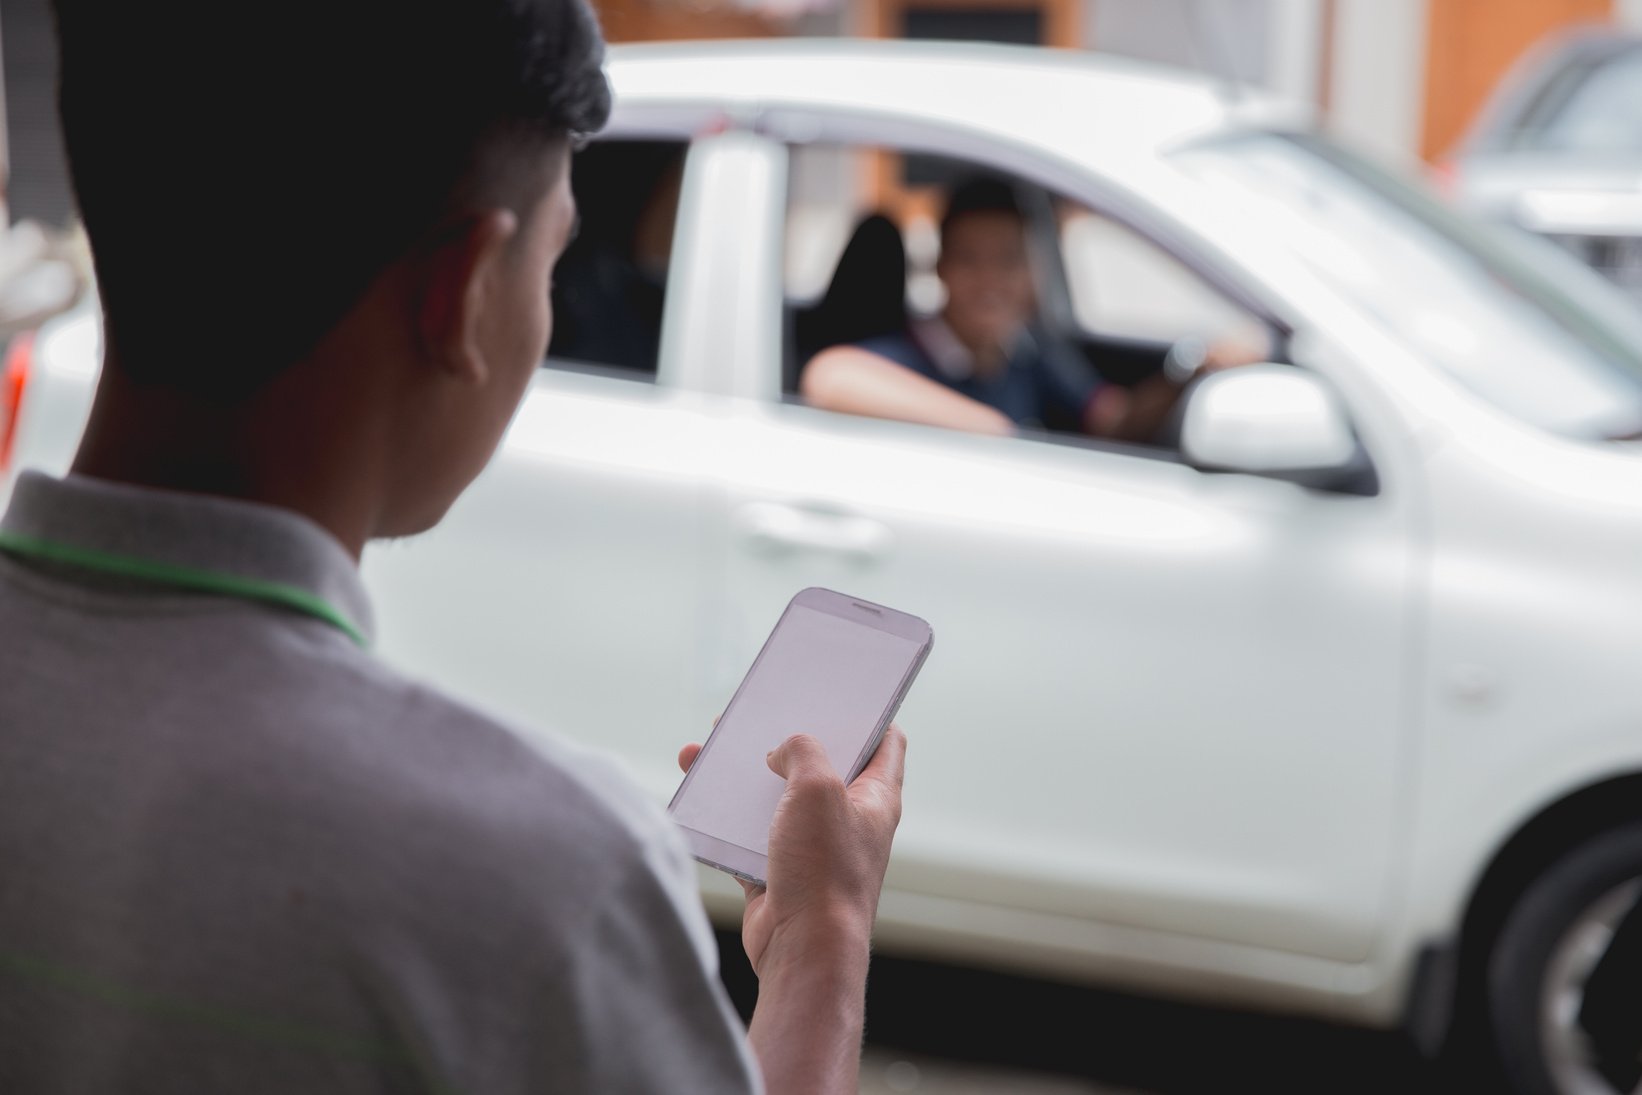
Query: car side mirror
(1277, 421)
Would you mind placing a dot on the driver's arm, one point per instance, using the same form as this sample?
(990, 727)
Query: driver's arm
(851, 380)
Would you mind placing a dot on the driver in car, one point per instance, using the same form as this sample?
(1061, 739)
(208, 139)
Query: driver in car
(981, 365)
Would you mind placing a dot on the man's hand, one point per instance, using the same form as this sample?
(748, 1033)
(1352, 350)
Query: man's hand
(829, 848)
(808, 932)
(1232, 353)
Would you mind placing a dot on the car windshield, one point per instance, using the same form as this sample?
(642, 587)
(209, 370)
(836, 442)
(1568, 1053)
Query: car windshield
(1512, 318)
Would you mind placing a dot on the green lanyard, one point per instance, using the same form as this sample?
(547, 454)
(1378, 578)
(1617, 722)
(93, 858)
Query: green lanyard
(198, 581)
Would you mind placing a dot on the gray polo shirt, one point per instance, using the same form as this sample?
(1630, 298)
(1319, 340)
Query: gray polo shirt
(239, 854)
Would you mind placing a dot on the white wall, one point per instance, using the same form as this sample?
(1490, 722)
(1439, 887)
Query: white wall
(1376, 79)
(1294, 48)
(1629, 13)
(1224, 37)
(1377, 90)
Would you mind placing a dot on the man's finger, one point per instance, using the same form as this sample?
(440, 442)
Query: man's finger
(687, 756)
(889, 763)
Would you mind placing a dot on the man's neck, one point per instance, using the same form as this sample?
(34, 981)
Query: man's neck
(987, 355)
(270, 451)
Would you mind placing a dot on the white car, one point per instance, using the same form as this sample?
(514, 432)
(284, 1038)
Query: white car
(1558, 151)
(1334, 709)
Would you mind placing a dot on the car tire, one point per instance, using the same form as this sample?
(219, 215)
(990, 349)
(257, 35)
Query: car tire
(1553, 939)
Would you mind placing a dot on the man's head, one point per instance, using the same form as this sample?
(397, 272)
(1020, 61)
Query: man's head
(984, 263)
(258, 184)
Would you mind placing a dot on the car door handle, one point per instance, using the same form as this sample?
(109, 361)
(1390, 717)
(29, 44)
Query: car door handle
(776, 528)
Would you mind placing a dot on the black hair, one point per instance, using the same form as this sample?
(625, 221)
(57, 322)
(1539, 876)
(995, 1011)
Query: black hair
(245, 172)
(980, 194)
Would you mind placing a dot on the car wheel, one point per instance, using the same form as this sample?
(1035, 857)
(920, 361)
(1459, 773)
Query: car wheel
(1564, 980)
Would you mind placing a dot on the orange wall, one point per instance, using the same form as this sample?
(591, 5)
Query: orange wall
(1470, 46)
(665, 20)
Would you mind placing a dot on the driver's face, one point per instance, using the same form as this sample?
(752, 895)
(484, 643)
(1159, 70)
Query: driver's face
(987, 277)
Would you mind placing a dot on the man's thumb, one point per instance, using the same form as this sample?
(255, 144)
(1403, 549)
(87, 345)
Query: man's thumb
(799, 756)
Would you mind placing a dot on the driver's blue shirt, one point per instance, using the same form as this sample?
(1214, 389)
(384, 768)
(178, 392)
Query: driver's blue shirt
(1038, 380)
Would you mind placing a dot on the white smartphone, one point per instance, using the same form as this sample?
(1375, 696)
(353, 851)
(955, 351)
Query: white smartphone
(836, 668)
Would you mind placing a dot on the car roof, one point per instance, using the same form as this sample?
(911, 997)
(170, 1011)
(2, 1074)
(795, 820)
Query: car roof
(1057, 98)
(1588, 43)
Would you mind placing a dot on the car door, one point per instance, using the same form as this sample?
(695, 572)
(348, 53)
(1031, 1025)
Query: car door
(1159, 699)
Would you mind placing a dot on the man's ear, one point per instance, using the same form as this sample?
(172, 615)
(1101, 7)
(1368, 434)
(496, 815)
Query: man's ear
(461, 273)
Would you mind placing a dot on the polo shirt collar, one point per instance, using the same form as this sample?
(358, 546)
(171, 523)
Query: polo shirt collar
(201, 532)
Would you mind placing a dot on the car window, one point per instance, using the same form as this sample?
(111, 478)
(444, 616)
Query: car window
(1122, 285)
(1601, 113)
(854, 260)
(945, 292)
(609, 288)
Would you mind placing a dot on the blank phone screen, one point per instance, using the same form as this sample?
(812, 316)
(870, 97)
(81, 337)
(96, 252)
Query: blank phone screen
(819, 674)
